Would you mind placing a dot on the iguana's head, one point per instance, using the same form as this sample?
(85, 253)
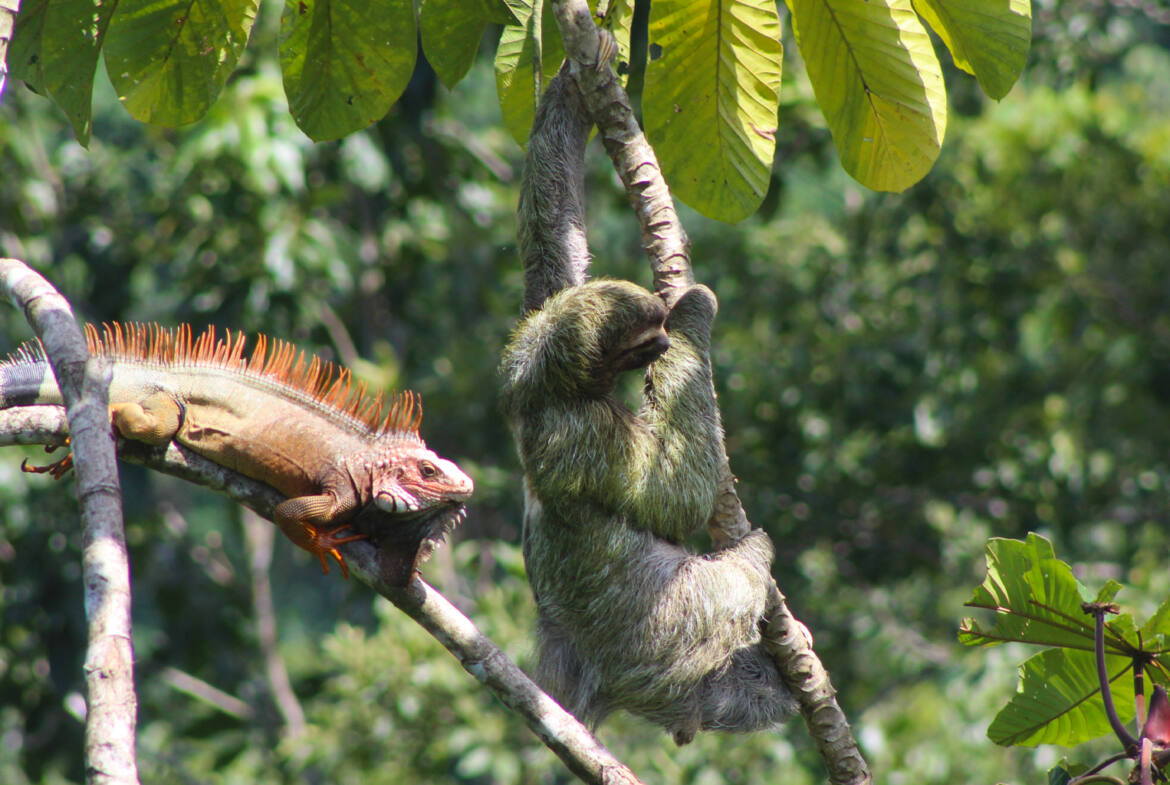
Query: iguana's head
(415, 479)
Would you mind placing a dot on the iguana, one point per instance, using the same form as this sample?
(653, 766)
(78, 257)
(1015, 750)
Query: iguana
(296, 423)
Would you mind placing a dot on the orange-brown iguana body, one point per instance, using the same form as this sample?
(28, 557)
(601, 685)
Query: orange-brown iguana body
(293, 422)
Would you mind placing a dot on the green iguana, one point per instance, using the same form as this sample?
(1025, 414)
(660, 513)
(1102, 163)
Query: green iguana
(293, 422)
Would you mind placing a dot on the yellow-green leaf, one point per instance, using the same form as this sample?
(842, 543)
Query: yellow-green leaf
(986, 38)
(344, 64)
(169, 59)
(534, 40)
(710, 101)
(72, 40)
(533, 43)
(878, 83)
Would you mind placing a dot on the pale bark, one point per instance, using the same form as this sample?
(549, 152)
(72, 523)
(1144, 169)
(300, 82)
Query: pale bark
(109, 660)
(576, 746)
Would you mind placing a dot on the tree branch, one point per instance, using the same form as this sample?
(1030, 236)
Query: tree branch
(109, 659)
(666, 245)
(8, 11)
(580, 750)
(663, 238)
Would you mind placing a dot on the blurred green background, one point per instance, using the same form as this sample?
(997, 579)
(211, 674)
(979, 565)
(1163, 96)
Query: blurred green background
(901, 376)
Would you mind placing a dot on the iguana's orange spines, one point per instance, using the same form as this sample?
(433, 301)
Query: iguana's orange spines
(273, 359)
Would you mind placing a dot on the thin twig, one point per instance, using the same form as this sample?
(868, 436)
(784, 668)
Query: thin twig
(109, 659)
(209, 694)
(666, 244)
(1098, 610)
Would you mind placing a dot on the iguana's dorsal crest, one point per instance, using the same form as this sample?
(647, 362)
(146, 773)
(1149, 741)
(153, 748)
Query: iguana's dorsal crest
(271, 359)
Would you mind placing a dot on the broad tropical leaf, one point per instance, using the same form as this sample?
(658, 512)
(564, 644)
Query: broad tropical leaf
(72, 41)
(1037, 600)
(710, 102)
(879, 85)
(1059, 700)
(987, 39)
(169, 59)
(451, 31)
(345, 63)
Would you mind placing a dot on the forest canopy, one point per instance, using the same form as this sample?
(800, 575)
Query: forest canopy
(902, 377)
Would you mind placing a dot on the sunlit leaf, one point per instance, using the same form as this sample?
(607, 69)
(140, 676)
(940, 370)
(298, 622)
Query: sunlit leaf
(1059, 700)
(345, 64)
(169, 59)
(1035, 595)
(711, 98)
(878, 83)
(534, 39)
(987, 38)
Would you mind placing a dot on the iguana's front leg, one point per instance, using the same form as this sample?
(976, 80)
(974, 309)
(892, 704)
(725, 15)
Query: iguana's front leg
(304, 519)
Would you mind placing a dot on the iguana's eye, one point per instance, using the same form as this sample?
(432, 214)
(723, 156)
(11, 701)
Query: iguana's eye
(428, 469)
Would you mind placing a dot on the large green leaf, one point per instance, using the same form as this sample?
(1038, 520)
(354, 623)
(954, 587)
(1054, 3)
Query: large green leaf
(878, 83)
(73, 36)
(710, 101)
(451, 31)
(987, 38)
(169, 59)
(344, 63)
(1037, 599)
(1059, 700)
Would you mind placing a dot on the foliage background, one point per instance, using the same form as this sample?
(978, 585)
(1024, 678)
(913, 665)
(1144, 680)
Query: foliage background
(901, 377)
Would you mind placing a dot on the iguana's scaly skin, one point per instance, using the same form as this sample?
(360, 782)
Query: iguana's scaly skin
(293, 422)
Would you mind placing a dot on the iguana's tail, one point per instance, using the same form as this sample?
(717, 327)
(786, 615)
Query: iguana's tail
(27, 379)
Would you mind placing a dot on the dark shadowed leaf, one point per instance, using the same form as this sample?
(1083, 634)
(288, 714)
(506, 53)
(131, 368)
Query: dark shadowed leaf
(345, 63)
(450, 31)
(169, 59)
(74, 33)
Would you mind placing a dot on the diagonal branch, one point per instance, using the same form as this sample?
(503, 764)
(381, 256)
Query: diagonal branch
(580, 750)
(109, 658)
(665, 243)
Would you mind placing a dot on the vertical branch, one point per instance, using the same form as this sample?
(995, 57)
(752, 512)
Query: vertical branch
(8, 11)
(259, 535)
(663, 238)
(109, 661)
(666, 244)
